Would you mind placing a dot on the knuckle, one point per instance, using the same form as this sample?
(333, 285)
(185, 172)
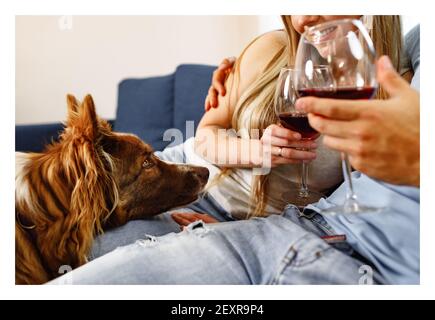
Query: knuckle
(363, 133)
(390, 76)
(287, 152)
(320, 125)
(272, 129)
(371, 114)
(360, 150)
(267, 131)
(283, 142)
(334, 111)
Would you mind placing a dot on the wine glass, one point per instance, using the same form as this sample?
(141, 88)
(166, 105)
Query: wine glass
(290, 118)
(347, 49)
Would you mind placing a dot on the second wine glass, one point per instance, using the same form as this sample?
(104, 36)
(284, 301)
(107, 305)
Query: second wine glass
(290, 118)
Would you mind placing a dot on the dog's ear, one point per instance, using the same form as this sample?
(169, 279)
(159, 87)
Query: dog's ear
(82, 121)
(95, 191)
(72, 104)
(88, 118)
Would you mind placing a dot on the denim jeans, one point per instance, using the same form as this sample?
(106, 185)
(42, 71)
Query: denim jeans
(280, 249)
(155, 226)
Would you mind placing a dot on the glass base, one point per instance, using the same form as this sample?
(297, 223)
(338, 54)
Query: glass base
(299, 199)
(351, 207)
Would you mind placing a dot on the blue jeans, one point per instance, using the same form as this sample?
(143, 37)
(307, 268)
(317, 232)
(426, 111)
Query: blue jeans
(286, 249)
(155, 226)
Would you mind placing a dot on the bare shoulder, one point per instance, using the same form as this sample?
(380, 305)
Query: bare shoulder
(268, 42)
(259, 53)
(253, 62)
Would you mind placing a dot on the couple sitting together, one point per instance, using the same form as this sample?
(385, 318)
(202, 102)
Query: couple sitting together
(243, 231)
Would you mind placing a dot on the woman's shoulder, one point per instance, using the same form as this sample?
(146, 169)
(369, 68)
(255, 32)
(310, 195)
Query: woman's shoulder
(259, 53)
(276, 37)
(266, 45)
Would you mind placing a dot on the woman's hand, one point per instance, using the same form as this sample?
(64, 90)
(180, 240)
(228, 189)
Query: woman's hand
(218, 83)
(186, 218)
(284, 145)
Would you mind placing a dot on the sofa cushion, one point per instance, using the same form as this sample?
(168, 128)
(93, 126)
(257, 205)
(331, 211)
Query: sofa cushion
(145, 108)
(34, 138)
(191, 86)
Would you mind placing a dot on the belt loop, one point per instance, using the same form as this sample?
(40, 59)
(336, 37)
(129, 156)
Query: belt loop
(308, 213)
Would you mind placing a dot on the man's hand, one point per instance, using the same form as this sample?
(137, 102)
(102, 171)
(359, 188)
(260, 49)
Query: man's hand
(218, 83)
(382, 137)
(184, 219)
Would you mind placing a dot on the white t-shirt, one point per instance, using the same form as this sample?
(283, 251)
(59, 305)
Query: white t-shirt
(233, 191)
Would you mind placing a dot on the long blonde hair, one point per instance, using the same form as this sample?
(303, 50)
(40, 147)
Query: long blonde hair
(257, 100)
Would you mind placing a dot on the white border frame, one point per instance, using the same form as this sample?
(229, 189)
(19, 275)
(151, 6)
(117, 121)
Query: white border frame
(189, 7)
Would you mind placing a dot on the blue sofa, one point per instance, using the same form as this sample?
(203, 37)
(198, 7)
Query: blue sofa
(146, 107)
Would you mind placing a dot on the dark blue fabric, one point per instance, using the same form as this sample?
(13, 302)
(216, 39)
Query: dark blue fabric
(145, 108)
(191, 86)
(34, 137)
(412, 46)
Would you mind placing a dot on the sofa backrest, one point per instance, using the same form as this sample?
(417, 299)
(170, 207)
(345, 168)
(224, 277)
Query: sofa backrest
(148, 107)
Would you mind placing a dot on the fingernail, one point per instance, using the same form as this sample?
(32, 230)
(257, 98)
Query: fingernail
(313, 145)
(297, 136)
(386, 63)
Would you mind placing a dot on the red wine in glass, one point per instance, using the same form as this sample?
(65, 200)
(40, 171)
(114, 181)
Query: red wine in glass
(364, 93)
(337, 60)
(298, 122)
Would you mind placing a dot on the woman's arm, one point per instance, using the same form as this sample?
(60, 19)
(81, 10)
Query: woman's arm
(213, 141)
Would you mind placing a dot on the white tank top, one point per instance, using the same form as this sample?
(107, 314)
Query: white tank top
(233, 191)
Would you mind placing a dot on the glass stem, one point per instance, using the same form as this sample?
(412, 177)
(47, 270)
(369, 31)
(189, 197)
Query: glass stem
(351, 200)
(303, 191)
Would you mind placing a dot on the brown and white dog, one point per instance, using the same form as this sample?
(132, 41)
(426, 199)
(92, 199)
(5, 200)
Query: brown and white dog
(91, 180)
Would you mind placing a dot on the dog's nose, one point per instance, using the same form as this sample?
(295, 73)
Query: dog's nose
(202, 173)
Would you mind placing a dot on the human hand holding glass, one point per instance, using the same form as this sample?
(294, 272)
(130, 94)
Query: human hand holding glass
(343, 47)
(292, 119)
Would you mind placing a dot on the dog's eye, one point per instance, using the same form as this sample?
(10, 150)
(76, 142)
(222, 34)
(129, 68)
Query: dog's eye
(147, 164)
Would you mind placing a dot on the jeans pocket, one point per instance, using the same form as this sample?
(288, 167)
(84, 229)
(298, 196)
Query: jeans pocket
(304, 252)
(308, 250)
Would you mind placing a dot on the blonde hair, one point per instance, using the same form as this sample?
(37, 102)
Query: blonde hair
(256, 101)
